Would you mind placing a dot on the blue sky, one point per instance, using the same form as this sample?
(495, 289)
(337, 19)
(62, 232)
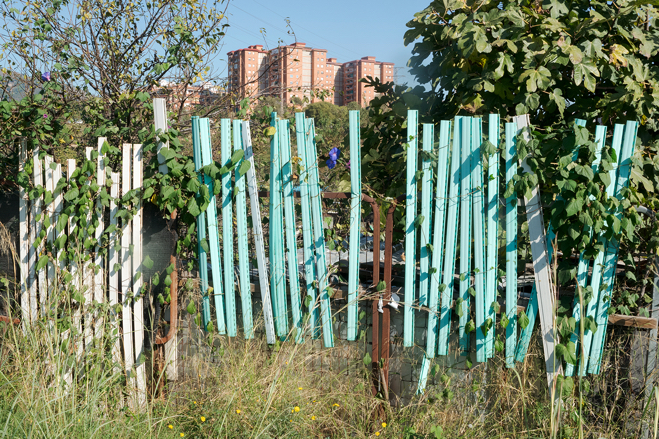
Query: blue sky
(347, 29)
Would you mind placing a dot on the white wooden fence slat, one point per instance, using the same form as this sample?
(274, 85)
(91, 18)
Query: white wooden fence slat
(126, 278)
(99, 273)
(258, 236)
(87, 283)
(73, 269)
(160, 122)
(24, 246)
(48, 212)
(113, 266)
(59, 205)
(37, 219)
(541, 269)
(138, 306)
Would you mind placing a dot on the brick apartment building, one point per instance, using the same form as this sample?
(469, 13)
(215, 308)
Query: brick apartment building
(192, 95)
(298, 71)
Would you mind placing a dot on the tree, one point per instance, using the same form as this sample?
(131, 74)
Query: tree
(550, 59)
(556, 61)
(108, 54)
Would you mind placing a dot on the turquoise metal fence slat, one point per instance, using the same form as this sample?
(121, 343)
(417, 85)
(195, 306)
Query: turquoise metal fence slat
(307, 234)
(492, 264)
(511, 246)
(479, 237)
(598, 264)
(201, 227)
(277, 282)
(241, 229)
(289, 212)
(355, 223)
(438, 235)
(213, 236)
(465, 234)
(611, 258)
(583, 268)
(448, 278)
(227, 229)
(426, 206)
(410, 227)
(319, 236)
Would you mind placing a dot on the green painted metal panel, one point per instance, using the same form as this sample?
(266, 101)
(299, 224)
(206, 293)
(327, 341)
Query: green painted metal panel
(410, 228)
(289, 212)
(479, 236)
(611, 257)
(213, 235)
(583, 268)
(241, 229)
(227, 229)
(355, 223)
(438, 235)
(511, 246)
(448, 278)
(426, 206)
(319, 236)
(492, 263)
(307, 234)
(465, 232)
(201, 226)
(277, 282)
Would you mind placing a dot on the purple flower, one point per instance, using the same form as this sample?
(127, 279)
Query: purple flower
(334, 154)
(348, 165)
(45, 116)
(45, 76)
(331, 163)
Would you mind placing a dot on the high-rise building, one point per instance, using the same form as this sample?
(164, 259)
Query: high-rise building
(298, 71)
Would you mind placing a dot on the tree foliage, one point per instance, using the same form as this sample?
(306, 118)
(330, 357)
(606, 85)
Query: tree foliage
(556, 61)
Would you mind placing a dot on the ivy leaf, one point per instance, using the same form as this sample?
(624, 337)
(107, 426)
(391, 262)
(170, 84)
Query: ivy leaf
(470, 326)
(244, 167)
(523, 320)
(367, 359)
(193, 207)
(191, 308)
(486, 326)
(71, 194)
(43, 260)
(237, 156)
(204, 245)
(270, 131)
(148, 262)
(504, 321)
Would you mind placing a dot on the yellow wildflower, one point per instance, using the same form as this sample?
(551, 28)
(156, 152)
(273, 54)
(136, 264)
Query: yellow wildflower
(336, 405)
(182, 434)
(299, 388)
(313, 418)
(377, 433)
(384, 425)
(297, 409)
(194, 402)
(170, 426)
(238, 411)
(203, 419)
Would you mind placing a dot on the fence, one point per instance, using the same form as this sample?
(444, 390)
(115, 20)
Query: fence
(456, 215)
